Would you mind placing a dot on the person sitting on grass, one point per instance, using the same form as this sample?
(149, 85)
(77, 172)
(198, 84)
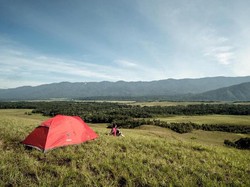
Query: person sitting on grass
(115, 131)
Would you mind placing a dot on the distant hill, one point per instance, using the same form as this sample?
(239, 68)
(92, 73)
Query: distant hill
(169, 88)
(240, 92)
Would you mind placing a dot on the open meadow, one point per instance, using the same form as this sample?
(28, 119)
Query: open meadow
(209, 119)
(166, 103)
(180, 103)
(147, 156)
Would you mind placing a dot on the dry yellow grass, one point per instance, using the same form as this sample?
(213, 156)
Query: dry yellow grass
(210, 119)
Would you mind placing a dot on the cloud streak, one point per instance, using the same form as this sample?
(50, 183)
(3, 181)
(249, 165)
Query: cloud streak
(32, 68)
(126, 63)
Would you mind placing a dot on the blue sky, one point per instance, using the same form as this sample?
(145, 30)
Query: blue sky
(132, 40)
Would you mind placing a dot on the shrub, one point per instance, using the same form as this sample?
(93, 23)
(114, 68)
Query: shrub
(181, 127)
(242, 143)
(229, 143)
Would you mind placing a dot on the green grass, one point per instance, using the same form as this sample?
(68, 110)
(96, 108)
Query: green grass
(210, 119)
(176, 103)
(211, 138)
(146, 156)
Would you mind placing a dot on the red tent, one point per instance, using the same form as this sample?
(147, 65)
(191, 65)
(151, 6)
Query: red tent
(59, 131)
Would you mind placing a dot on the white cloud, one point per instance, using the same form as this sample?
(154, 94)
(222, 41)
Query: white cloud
(242, 67)
(195, 33)
(126, 63)
(4, 84)
(224, 57)
(218, 48)
(45, 65)
(222, 54)
(18, 68)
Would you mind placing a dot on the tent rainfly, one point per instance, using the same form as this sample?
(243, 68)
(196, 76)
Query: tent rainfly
(59, 131)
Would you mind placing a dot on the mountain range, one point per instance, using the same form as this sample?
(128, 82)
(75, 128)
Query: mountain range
(207, 89)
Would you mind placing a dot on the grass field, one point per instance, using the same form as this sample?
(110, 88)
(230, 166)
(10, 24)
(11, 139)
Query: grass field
(211, 138)
(210, 119)
(176, 103)
(146, 156)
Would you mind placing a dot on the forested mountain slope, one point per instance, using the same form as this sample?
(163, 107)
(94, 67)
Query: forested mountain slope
(161, 88)
(240, 92)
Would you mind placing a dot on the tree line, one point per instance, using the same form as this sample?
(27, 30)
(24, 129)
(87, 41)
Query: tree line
(136, 111)
(131, 116)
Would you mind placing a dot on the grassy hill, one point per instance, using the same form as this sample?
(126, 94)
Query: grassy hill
(147, 156)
